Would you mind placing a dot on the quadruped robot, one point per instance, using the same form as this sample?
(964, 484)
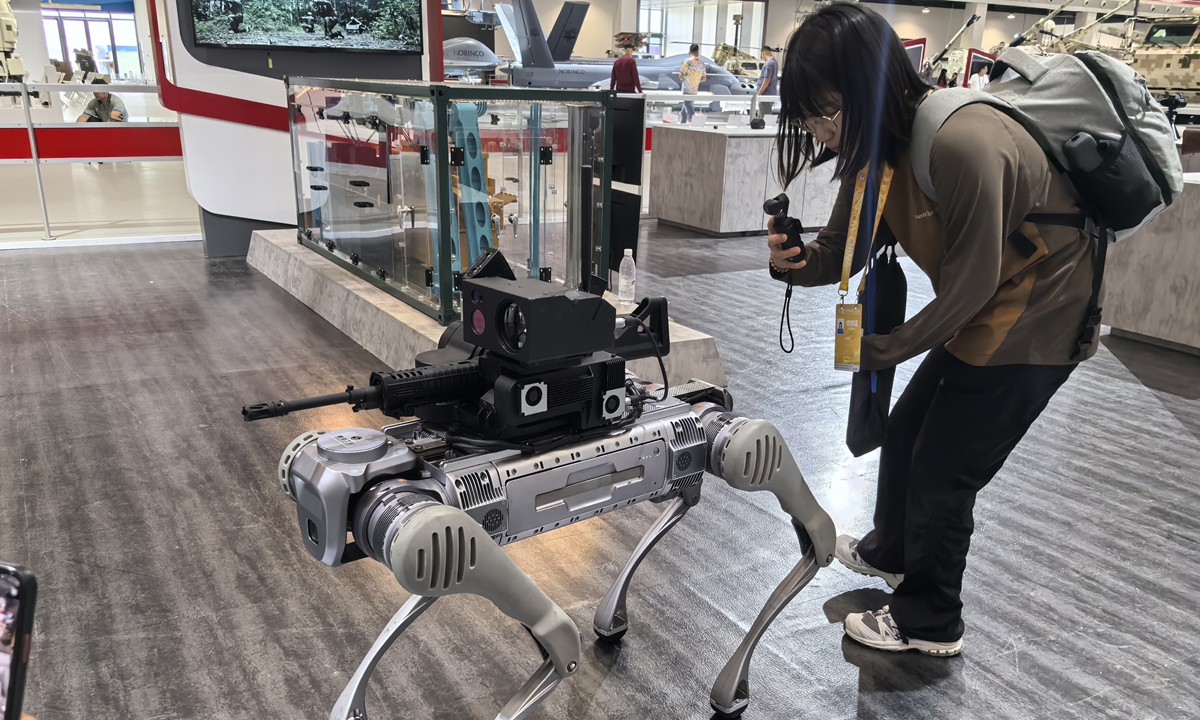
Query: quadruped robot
(527, 421)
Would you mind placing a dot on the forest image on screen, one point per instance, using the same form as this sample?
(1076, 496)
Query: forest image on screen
(335, 24)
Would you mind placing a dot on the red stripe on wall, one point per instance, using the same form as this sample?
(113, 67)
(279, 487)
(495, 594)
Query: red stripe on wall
(83, 142)
(210, 105)
(14, 144)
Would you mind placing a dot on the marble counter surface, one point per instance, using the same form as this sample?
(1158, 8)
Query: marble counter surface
(396, 333)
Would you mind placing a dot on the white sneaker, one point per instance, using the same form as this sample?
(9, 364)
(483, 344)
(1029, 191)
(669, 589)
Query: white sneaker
(846, 551)
(878, 630)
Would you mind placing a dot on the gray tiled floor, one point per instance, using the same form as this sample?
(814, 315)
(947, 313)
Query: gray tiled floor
(174, 584)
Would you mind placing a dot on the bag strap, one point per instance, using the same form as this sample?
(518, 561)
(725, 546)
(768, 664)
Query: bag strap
(932, 113)
(1091, 323)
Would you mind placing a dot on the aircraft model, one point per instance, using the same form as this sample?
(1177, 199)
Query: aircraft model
(547, 62)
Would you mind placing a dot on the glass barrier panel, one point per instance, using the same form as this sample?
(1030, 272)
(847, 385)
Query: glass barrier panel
(361, 182)
(375, 193)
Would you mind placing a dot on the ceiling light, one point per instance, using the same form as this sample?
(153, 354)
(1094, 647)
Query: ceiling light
(925, 10)
(1012, 16)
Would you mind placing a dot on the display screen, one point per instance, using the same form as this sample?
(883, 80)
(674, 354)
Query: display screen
(378, 25)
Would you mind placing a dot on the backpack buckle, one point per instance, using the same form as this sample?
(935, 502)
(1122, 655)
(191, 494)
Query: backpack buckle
(1088, 336)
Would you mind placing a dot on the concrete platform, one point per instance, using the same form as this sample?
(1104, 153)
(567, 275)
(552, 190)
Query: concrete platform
(396, 333)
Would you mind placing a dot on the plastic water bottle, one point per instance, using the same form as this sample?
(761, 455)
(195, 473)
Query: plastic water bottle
(625, 291)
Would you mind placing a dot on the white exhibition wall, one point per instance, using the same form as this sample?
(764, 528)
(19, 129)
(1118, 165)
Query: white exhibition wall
(937, 26)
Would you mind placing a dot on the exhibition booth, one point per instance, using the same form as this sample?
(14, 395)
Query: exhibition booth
(555, 300)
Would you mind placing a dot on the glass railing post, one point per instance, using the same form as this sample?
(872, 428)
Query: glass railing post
(37, 163)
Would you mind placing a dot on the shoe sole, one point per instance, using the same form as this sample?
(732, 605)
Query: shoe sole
(923, 646)
(869, 573)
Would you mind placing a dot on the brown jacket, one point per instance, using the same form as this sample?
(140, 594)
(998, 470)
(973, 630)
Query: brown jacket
(993, 305)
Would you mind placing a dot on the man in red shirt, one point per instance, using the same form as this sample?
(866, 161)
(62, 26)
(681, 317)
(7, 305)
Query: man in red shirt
(625, 74)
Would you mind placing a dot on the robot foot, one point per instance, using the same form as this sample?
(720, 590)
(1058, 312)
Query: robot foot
(612, 617)
(536, 689)
(731, 692)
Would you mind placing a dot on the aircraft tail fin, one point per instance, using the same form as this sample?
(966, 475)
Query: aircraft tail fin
(531, 47)
(566, 30)
(509, 23)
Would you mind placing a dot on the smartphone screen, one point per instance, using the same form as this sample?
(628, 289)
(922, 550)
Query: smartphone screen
(17, 592)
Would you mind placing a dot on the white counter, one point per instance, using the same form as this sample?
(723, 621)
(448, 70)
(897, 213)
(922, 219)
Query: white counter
(715, 180)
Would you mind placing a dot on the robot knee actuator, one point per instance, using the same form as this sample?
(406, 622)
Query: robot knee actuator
(751, 455)
(440, 550)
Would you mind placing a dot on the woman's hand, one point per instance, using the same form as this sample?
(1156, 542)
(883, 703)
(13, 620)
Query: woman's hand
(783, 259)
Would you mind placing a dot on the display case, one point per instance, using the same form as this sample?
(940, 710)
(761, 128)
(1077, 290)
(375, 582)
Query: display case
(405, 184)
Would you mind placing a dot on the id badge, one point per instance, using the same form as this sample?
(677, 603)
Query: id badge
(848, 338)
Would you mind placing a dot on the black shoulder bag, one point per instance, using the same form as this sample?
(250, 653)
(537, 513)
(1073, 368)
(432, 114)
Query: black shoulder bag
(884, 301)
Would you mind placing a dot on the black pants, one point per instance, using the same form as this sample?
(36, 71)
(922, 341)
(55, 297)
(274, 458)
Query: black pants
(949, 433)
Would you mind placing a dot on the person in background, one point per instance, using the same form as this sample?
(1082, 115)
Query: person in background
(953, 80)
(980, 80)
(691, 75)
(941, 81)
(768, 81)
(104, 107)
(625, 73)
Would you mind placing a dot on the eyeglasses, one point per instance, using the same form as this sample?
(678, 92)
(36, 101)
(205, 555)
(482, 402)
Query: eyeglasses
(820, 125)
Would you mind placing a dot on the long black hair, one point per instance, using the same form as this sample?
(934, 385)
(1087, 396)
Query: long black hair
(848, 49)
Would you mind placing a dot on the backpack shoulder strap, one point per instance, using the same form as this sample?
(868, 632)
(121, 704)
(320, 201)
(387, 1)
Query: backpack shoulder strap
(932, 113)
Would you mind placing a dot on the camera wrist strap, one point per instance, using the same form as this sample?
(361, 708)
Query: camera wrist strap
(847, 345)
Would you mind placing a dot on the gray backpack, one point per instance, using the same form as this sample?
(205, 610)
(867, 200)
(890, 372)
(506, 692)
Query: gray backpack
(1098, 125)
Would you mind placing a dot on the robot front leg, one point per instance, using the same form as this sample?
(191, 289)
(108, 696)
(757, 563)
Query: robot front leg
(751, 455)
(442, 551)
(352, 705)
(436, 550)
(612, 619)
(731, 692)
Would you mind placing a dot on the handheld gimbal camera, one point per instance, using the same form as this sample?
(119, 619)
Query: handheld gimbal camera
(777, 207)
(527, 421)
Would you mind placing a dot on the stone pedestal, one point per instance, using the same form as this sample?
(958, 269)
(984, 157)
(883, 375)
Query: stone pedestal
(396, 333)
(1152, 280)
(715, 180)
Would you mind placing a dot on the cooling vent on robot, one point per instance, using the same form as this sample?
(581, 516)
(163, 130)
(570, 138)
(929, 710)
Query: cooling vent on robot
(762, 462)
(476, 489)
(451, 554)
(687, 432)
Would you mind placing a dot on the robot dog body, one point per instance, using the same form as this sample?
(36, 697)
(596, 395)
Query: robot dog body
(437, 512)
